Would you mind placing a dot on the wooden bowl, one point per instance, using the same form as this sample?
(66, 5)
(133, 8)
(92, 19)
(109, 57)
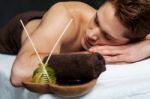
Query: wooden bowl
(59, 89)
(36, 87)
(72, 90)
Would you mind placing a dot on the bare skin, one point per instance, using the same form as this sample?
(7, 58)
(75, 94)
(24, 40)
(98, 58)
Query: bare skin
(85, 33)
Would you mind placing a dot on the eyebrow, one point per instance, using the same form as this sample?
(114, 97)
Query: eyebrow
(105, 34)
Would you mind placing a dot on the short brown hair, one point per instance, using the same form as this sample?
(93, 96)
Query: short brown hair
(135, 15)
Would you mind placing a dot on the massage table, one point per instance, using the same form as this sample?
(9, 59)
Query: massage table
(119, 81)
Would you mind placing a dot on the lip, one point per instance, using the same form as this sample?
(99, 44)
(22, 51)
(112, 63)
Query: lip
(84, 44)
(87, 44)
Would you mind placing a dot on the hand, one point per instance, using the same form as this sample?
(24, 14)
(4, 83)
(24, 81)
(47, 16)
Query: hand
(124, 53)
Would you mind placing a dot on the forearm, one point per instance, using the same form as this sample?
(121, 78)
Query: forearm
(146, 46)
(23, 67)
(125, 53)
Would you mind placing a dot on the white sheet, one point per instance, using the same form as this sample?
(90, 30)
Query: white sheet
(126, 81)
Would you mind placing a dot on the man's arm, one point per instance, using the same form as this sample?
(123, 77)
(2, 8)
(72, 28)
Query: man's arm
(125, 53)
(44, 38)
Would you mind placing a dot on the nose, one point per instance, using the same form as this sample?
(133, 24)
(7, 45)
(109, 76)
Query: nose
(93, 35)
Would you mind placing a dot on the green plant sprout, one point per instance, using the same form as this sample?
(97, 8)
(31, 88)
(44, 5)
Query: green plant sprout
(44, 74)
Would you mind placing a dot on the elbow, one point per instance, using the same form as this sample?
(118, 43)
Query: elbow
(19, 73)
(15, 78)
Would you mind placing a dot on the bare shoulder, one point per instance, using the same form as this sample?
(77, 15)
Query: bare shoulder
(83, 10)
(78, 6)
(74, 7)
(49, 28)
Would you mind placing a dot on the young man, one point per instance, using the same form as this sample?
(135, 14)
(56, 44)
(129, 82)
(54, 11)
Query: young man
(106, 31)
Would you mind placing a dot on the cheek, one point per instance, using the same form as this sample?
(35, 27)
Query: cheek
(102, 41)
(92, 25)
(93, 32)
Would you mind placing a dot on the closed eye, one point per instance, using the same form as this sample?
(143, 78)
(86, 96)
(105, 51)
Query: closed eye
(107, 36)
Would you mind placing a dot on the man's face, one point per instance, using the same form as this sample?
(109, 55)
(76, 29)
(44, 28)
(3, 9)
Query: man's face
(104, 28)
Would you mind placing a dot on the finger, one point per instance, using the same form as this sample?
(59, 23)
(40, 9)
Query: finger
(107, 47)
(114, 59)
(107, 52)
(111, 52)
